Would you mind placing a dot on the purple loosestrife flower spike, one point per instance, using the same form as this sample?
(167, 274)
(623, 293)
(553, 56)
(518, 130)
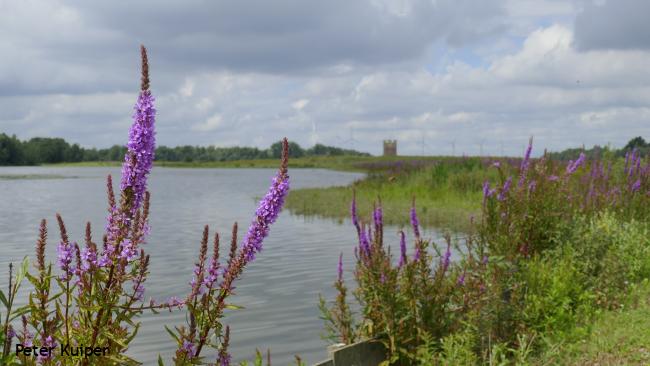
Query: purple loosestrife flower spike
(446, 258)
(487, 192)
(353, 212)
(340, 268)
(402, 249)
(523, 169)
(636, 186)
(268, 209)
(378, 217)
(486, 189)
(506, 188)
(414, 221)
(140, 148)
(364, 244)
(65, 254)
(88, 259)
(573, 166)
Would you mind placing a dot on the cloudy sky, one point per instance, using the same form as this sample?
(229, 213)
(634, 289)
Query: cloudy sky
(440, 76)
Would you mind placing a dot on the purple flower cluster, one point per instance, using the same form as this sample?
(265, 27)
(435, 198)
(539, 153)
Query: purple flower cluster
(65, 253)
(48, 342)
(266, 214)
(340, 268)
(415, 222)
(223, 359)
(88, 259)
(188, 348)
(139, 158)
(364, 243)
(378, 216)
(213, 273)
(487, 192)
(574, 165)
(353, 213)
(523, 169)
(506, 188)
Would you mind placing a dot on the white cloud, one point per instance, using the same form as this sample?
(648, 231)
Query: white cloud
(210, 124)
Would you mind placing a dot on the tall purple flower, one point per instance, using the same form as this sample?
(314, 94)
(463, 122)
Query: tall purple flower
(268, 208)
(213, 273)
(378, 217)
(414, 221)
(65, 252)
(140, 154)
(353, 212)
(88, 259)
(574, 165)
(486, 189)
(364, 244)
(487, 192)
(506, 188)
(402, 249)
(523, 169)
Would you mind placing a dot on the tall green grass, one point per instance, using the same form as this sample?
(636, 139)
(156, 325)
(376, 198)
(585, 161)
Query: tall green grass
(448, 193)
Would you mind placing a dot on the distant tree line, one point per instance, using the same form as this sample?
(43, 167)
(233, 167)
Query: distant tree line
(46, 150)
(597, 151)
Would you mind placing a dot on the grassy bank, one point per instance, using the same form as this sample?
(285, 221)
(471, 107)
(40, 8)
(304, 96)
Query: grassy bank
(620, 337)
(448, 192)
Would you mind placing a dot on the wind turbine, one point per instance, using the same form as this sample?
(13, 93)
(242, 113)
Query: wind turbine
(351, 140)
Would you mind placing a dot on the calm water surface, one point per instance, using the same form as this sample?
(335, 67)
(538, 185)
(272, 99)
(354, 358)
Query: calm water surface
(279, 290)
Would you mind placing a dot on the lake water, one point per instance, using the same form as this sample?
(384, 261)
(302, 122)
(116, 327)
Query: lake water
(279, 290)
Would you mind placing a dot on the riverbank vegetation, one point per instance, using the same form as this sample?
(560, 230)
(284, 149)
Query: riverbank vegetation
(559, 251)
(448, 191)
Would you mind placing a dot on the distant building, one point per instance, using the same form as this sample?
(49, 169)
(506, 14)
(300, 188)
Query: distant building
(390, 147)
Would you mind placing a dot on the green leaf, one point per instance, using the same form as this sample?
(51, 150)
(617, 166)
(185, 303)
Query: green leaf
(160, 361)
(172, 334)
(234, 307)
(18, 312)
(4, 299)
